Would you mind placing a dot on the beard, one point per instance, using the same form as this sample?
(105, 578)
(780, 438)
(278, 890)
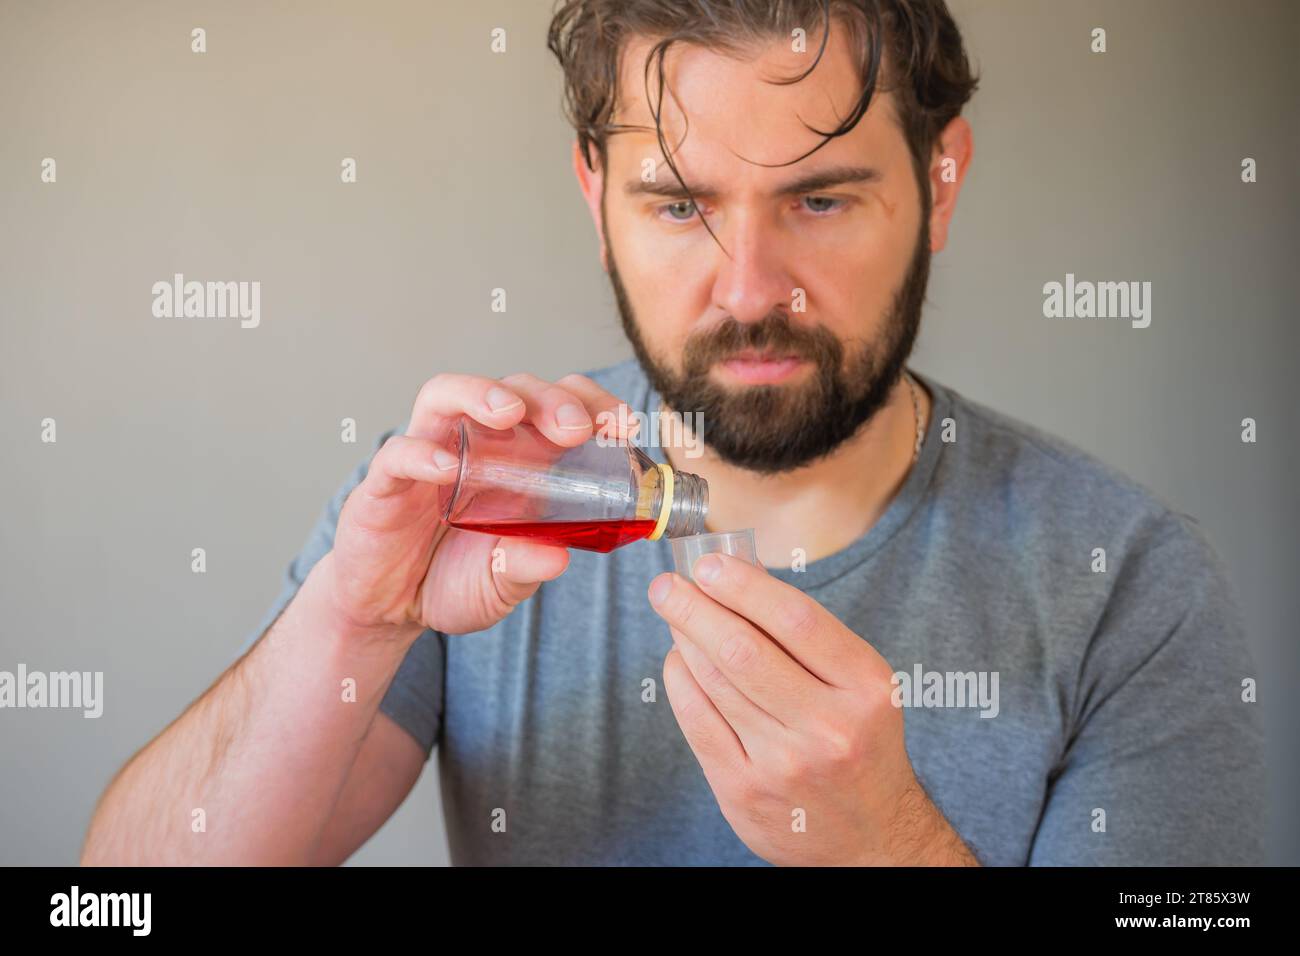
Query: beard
(775, 428)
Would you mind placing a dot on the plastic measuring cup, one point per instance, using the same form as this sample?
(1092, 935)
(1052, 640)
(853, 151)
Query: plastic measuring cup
(687, 550)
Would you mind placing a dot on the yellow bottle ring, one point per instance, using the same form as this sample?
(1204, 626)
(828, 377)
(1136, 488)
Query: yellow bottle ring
(657, 533)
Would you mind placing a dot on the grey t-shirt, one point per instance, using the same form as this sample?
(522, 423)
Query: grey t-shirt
(1118, 733)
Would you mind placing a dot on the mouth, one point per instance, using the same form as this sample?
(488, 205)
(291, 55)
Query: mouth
(756, 367)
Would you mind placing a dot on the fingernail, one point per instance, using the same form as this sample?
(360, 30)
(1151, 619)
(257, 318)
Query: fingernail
(572, 416)
(444, 459)
(499, 399)
(659, 589)
(707, 568)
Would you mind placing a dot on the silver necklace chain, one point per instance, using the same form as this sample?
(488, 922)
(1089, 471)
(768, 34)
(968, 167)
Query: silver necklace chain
(916, 408)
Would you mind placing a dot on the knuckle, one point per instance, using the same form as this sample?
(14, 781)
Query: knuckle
(838, 745)
(737, 650)
(711, 679)
(800, 621)
(689, 708)
(696, 701)
(746, 789)
(878, 704)
(519, 379)
(574, 380)
(680, 606)
(790, 765)
(557, 395)
(390, 452)
(431, 386)
(443, 383)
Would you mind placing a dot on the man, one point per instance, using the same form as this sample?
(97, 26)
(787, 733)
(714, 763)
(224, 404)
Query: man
(971, 643)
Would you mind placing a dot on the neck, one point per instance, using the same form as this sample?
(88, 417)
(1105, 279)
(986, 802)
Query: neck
(823, 507)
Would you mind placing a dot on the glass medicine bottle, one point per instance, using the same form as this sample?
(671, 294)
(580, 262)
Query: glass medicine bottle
(597, 496)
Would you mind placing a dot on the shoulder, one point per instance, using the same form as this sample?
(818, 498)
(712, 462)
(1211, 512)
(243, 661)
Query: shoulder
(1039, 488)
(1091, 548)
(1116, 581)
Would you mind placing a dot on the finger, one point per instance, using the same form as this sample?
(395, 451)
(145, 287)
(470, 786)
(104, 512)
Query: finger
(612, 417)
(755, 727)
(808, 632)
(443, 399)
(557, 413)
(519, 566)
(403, 460)
(749, 658)
(711, 738)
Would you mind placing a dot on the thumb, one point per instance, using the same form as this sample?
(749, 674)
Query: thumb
(519, 566)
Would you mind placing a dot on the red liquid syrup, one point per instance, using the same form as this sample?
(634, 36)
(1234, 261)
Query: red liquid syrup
(603, 536)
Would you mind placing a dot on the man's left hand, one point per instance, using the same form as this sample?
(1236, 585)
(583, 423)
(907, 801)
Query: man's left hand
(791, 718)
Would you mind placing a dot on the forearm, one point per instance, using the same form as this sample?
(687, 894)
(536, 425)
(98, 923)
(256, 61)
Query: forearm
(945, 847)
(920, 835)
(263, 753)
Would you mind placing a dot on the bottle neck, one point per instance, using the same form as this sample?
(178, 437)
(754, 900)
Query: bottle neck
(686, 497)
(689, 505)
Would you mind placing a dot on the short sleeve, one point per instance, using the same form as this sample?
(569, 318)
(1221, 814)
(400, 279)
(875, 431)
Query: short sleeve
(1165, 762)
(414, 699)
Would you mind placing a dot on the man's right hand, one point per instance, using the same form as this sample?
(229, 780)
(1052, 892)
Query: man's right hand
(395, 564)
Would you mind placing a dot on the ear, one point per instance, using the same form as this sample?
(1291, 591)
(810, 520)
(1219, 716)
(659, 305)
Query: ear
(952, 157)
(592, 184)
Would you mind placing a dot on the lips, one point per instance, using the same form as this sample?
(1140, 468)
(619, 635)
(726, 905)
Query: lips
(757, 367)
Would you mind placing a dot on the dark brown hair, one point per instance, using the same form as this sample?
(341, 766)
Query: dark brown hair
(929, 72)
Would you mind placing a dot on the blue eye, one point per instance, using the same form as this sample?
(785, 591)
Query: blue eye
(685, 205)
(814, 203)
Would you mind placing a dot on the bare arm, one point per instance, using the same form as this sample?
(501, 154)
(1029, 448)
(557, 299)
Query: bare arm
(385, 770)
(265, 752)
(283, 768)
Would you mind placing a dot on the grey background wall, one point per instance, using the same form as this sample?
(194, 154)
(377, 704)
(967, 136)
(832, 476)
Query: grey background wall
(179, 434)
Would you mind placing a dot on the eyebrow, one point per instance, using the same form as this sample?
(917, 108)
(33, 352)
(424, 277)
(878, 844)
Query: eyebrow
(810, 183)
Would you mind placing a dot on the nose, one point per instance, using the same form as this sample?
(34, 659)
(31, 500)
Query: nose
(755, 279)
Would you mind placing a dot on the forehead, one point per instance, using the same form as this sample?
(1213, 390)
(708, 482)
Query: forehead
(721, 107)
